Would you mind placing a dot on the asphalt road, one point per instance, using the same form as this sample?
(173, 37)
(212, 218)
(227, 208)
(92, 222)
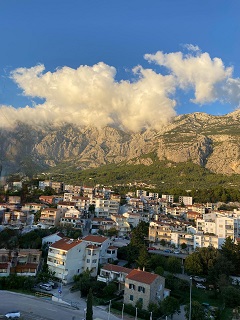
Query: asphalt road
(33, 308)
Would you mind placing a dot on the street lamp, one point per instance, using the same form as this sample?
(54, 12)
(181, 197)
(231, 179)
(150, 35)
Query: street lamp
(122, 310)
(109, 309)
(136, 314)
(190, 303)
(85, 310)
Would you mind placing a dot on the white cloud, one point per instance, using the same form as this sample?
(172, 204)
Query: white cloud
(199, 72)
(90, 95)
(191, 47)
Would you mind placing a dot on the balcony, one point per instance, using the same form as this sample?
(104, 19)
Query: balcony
(103, 279)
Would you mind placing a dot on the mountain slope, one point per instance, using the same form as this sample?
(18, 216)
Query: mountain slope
(209, 141)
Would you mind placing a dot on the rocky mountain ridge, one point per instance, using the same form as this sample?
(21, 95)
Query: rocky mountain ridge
(209, 141)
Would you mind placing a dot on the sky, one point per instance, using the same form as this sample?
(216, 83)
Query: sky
(132, 64)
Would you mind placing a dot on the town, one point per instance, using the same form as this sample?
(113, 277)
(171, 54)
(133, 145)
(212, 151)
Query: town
(137, 241)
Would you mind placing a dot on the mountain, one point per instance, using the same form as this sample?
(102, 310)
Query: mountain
(209, 141)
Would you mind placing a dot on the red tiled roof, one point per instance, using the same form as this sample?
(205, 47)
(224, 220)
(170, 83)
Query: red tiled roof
(4, 265)
(142, 276)
(97, 239)
(113, 267)
(26, 266)
(66, 203)
(65, 244)
(112, 247)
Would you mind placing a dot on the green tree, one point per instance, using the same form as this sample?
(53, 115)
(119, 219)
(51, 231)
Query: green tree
(157, 260)
(143, 259)
(183, 246)
(159, 270)
(89, 313)
(48, 191)
(193, 264)
(231, 296)
(197, 311)
(201, 261)
(110, 289)
(169, 306)
(231, 252)
(174, 265)
(139, 234)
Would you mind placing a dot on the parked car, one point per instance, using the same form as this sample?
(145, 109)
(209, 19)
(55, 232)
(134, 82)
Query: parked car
(176, 252)
(151, 248)
(167, 250)
(46, 286)
(199, 279)
(13, 315)
(200, 286)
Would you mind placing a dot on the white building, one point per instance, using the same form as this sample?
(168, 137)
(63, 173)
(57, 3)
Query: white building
(104, 208)
(185, 200)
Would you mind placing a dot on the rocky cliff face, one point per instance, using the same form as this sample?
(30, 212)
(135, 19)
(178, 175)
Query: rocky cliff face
(210, 141)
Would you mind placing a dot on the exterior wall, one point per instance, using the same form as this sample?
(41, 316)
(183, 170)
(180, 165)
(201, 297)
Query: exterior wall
(91, 260)
(66, 264)
(185, 200)
(144, 292)
(159, 231)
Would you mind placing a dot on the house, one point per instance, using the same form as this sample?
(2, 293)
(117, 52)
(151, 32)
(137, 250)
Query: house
(24, 262)
(49, 240)
(110, 272)
(144, 287)
(102, 224)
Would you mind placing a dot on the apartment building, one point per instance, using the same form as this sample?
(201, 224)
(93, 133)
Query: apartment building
(133, 219)
(206, 240)
(178, 238)
(224, 228)
(104, 208)
(187, 201)
(72, 217)
(168, 197)
(65, 258)
(107, 252)
(50, 217)
(122, 225)
(206, 226)
(159, 231)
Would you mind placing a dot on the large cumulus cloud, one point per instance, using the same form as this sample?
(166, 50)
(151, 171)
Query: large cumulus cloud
(90, 95)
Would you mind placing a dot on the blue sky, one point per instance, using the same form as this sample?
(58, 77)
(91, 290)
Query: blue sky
(74, 33)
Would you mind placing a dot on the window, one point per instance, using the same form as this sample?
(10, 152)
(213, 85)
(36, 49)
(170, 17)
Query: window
(132, 286)
(94, 261)
(131, 297)
(141, 289)
(88, 260)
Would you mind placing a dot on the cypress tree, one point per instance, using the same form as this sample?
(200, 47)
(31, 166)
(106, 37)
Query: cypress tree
(89, 313)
